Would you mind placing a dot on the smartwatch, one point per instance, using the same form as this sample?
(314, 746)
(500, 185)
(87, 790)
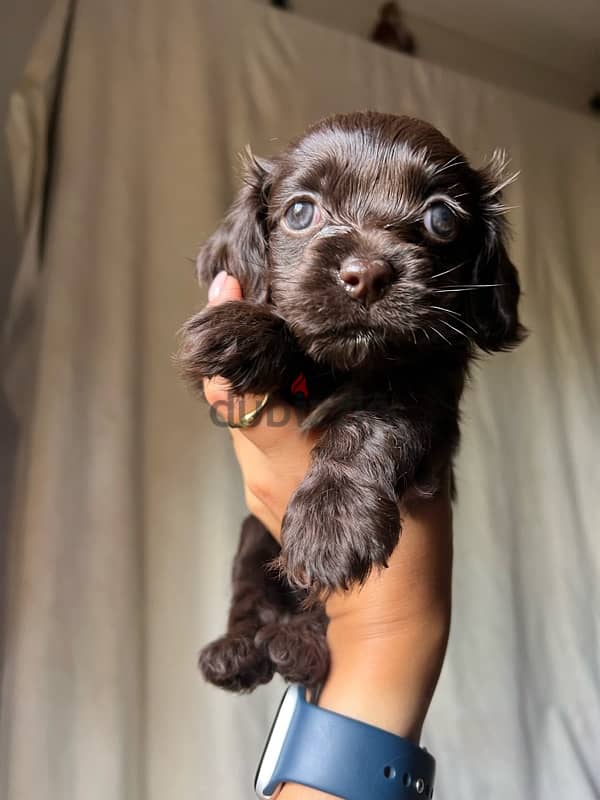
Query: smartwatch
(341, 756)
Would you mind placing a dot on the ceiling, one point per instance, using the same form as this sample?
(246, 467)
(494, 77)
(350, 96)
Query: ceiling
(561, 35)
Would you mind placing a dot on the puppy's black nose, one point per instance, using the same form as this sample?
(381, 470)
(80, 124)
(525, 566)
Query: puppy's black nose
(364, 280)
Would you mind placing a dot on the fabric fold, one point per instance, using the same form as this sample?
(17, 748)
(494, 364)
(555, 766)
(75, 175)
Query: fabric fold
(124, 141)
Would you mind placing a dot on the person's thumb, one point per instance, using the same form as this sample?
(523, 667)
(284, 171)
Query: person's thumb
(223, 288)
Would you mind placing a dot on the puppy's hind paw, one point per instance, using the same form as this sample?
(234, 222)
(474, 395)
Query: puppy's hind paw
(235, 663)
(298, 649)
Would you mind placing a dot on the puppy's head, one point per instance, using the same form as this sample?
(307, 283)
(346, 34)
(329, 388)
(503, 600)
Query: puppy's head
(372, 232)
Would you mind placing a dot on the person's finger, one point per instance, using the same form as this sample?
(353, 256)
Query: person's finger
(272, 477)
(266, 432)
(228, 407)
(274, 452)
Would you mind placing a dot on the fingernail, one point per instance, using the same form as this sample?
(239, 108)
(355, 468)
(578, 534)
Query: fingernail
(214, 290)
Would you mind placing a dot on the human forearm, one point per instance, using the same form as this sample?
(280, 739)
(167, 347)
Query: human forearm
(388, 681)
(388, 639)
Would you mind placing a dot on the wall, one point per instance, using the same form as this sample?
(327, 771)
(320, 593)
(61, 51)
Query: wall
(19, 22)
(447, 47)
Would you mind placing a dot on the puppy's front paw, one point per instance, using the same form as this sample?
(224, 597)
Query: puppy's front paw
(234, 662)
(334, 533)
(245, 343)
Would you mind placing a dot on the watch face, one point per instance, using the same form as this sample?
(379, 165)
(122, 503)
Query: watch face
(275, 740)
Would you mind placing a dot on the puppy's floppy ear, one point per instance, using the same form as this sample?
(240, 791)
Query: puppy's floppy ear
(493, 311)
(240, 244)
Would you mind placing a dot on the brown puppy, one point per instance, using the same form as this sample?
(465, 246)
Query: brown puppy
(373, 261)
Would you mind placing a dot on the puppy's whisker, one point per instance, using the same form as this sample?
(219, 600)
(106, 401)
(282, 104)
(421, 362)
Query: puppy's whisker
(466, 288)
(470, 327)
(462, 333)
(456, 315)
(423, 330)
(441, 335)
(447, 310)
(472, 285)
(439, 274)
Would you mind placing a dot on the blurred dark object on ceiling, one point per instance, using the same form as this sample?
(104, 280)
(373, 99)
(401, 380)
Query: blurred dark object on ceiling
(595, 103)
(391, 32)
(281, 4)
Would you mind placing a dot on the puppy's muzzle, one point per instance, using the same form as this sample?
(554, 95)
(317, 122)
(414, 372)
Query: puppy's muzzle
(366, 281)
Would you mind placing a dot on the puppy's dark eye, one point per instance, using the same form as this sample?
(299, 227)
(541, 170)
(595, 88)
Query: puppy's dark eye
(441, 221)
(301, 215)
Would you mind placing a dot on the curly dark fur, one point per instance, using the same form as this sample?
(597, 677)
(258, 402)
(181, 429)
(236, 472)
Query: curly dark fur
(267, 631)
(385, 376)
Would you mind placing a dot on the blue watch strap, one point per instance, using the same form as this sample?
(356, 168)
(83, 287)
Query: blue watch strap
(350, 759)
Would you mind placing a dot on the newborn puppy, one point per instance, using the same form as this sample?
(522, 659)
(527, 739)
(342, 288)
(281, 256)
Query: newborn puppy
(373, 261)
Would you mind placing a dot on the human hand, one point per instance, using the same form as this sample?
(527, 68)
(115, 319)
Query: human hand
(387, 639)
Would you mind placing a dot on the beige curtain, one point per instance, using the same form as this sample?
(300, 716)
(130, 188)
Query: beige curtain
(123, 137)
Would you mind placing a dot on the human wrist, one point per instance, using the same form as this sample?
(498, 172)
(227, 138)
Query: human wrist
(374, 714)
(383, 675)
(388, 679)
